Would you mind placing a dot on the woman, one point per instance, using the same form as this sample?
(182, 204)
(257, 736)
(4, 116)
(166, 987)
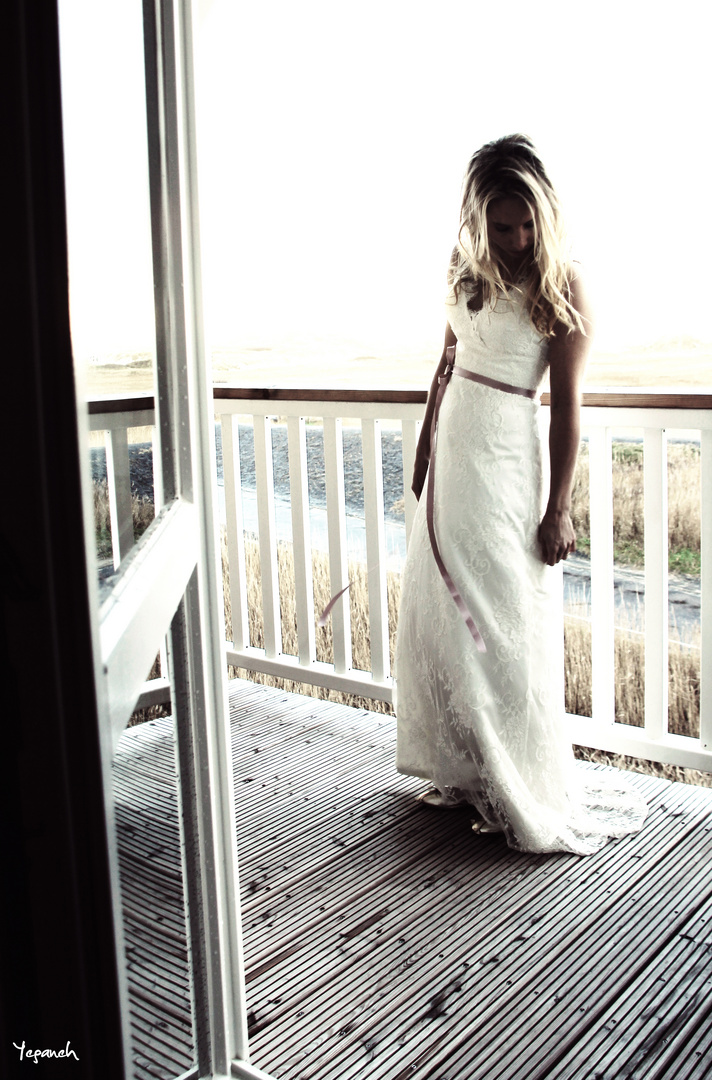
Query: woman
(479, 659)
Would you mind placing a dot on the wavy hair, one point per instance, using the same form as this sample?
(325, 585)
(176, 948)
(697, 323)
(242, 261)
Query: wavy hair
(510, 168)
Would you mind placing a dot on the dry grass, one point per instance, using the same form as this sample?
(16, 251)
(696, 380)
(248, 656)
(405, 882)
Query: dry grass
(628, 534)
(358, 604)
(684, 664)
(684, 695)
(142, 509)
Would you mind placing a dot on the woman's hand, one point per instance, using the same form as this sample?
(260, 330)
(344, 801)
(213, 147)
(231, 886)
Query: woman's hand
(556, 536)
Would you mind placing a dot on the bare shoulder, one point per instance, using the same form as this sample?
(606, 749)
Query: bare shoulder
(579, 293)
(569, 348)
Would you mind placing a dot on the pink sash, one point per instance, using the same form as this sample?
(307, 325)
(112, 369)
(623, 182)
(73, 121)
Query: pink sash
(450, 370)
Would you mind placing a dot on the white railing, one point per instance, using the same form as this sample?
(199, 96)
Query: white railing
(115, 417)
(651, 413)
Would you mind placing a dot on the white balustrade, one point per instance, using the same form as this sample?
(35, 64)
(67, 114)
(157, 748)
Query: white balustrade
(599, 420)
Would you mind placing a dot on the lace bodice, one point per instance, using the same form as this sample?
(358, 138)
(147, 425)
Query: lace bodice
(499, 342)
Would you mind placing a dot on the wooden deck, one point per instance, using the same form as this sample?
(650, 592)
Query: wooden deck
(386, 941)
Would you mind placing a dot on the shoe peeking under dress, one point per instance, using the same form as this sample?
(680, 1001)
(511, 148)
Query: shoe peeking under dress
(448, 800)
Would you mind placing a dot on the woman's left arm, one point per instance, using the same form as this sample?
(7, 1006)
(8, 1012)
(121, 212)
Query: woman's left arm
(568, 352)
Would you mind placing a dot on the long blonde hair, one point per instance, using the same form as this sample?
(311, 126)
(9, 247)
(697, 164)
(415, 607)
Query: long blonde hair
(505, 169)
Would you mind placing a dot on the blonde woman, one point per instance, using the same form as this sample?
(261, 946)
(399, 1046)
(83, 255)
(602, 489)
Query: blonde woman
(479, 659)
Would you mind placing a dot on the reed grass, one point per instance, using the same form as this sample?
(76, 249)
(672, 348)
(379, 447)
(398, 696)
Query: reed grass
(628, 516)
(684, 663)
(142, 510)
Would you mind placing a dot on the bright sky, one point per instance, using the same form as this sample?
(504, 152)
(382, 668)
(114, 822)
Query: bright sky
(333, 139)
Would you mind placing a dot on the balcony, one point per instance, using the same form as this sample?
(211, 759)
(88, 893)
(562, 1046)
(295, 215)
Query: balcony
(383, 940)
(650, 415)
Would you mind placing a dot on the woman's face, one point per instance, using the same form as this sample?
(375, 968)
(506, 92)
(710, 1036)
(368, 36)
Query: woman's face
(510, 230)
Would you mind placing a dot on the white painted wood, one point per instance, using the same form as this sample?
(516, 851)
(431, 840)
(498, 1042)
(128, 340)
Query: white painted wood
(119, 488)
(208, 833)
(375, 548)
(656, 582)
(242, 1070)
(154, 692)
(319, 674)
(591, 416)
(139, 608)
(625, 739)
(301, 539)
(158, 496)
(411, 433)
(602, 598)
(230, 430)
(338, 551)
(163, 657)
(132, 418)
(706, 593)
(602, 567)
(335, 410)
(264, 478)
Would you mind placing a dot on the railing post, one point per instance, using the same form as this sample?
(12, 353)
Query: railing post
(338, 553)
(301, 539)
(602, 596)
(706, 593)
(230, 434)
(264, 476)
(656, 582)
(119, 487)
(410, 432)
(375, 548)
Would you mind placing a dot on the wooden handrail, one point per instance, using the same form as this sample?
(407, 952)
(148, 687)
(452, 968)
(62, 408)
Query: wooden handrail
(612, 398)
(116, 403)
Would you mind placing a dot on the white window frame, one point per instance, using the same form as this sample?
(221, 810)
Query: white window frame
(169, 584)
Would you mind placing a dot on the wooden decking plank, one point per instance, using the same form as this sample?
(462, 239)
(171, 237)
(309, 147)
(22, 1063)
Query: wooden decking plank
(165, 905)
(354, 886)
(517, 1022)
(140, 793)
(262, 724)
(466, 840)
(263, 721)
(309, 757)
(164, 1057)
(359, 852)
(649, 1010)
(265, 866)
(147, 826)
(554, 1017)
(170, 980)
(358, 864)
(387, 1008)
(169, 1040)
(697, 1064)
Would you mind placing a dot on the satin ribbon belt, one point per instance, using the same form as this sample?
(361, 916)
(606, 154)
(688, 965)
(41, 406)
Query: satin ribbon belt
(450, 370)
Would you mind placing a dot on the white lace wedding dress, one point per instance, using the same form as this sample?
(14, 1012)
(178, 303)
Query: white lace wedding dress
(490, 727)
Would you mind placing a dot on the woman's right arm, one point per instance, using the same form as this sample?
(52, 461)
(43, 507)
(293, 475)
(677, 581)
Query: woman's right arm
(422, 453)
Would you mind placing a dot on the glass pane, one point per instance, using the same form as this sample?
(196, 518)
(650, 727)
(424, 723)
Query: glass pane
(113, 337)
(110, 268)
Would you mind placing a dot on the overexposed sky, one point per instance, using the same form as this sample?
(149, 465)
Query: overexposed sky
(332, 144)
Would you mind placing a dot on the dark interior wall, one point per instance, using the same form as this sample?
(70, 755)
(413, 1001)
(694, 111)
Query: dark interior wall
(59, 972)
